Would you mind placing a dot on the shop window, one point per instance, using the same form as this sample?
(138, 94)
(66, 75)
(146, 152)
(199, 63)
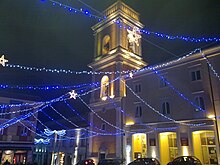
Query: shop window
(104, 88)
(195, 75)
(102, 156)
(172, 146)
(205, 146)
(106, 44)
(138, 111)
(166, 108)
(139, 143)
(200, 103)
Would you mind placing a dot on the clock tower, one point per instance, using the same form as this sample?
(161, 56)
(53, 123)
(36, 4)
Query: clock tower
(117, 52)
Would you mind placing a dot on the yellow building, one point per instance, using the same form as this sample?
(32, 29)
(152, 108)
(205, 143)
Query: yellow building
(113, 52)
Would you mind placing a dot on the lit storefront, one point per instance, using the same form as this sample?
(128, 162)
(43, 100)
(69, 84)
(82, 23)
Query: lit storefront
(204, 144)
(139, 146)
(15, 155)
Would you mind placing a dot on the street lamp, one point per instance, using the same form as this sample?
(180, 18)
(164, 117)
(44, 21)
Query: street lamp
(55, 132)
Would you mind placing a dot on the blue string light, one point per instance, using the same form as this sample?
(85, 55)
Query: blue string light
(175, 90)
(75, 112)
(61, 98)
(169, 37)
(61, 138)
(144, 31)
(74, 10)
(62, 70)
(211, 67)
(55, 121)
(52, 87)
(18, 111)
(20, 118)
(156, 111)
(50, 129)
(98, 133)
(97, 73)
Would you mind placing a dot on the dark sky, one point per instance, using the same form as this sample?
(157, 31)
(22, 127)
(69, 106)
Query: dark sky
(36, 33)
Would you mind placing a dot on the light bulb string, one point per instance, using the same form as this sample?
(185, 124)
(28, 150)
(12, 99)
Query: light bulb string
(156, 111)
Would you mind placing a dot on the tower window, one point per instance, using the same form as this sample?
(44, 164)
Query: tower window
(166, 108)
(131, 47)
(196, 75)
(104, 88)
(106, 44)
(200, 103)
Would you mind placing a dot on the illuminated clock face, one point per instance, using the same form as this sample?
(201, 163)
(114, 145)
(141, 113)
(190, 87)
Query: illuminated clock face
(133, 36)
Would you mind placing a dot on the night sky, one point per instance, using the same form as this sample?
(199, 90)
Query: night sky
(36, 33)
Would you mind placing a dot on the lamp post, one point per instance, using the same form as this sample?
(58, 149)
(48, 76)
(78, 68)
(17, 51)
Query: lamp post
(55, 132)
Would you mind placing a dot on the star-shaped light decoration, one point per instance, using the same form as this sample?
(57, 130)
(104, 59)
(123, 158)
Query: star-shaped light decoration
(133, 36)
(131, 75)
(3, 60)
(73, 94)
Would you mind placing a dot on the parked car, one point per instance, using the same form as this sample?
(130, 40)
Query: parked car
(86, 162)
(185, 160)
(145, 161)
(110, 162)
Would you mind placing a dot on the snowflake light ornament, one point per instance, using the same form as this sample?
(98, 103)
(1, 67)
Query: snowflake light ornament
(49, 132)
(3, 60)
(133, 36)
(73, 94)
(131, 75)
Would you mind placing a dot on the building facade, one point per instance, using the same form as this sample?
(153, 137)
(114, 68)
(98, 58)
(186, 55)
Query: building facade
(166, 111)
(17, 140)
(114, 53)
(62, 150)
(175, 109)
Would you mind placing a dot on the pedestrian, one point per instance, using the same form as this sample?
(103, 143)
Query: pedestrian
(6, 162)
